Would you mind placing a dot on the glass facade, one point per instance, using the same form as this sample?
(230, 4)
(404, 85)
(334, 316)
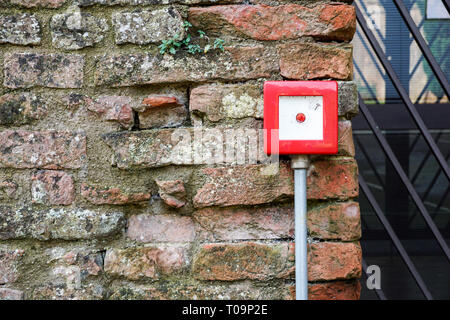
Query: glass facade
(407, 143)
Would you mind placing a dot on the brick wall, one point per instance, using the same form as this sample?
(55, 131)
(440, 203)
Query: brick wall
(93, 202)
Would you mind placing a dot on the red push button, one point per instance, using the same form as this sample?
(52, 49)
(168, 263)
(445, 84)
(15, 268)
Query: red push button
(300, 117)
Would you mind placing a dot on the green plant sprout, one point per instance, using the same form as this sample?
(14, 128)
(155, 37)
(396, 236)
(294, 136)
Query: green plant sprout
(174, 44)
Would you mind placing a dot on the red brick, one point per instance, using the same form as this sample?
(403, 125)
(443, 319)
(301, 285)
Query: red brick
(147, 262)
(42, 149)
(113, 108)
(217, 102)
(244, 185)
(25, 70)
(336, 221)
(333, 261)
(172, 192)
(106, 195)
(61, 223)
(290, 21)
(247, 223)
(161, 228)
(161, 111)
(238, 261)
(341, 20)
(336, 290)
(9, 263)
(258, 184)
(161, 101)
(141, 149)
(307, 61)
(235, 63)
(333, 179)
(185, 146)
(52, 187)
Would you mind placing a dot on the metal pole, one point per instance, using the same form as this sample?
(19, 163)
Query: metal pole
(300, 164)
(301, 257)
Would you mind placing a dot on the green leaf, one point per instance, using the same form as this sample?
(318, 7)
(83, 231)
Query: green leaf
(172, 50)
(187, 25)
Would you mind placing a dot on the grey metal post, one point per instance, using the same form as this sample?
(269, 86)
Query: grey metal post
(300, 164)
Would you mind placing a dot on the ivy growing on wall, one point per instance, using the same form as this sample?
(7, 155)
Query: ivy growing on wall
(174, 44)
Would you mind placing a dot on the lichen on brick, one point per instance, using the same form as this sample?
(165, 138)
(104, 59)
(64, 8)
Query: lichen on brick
(21, 29)
(144, 27)
(77, 30)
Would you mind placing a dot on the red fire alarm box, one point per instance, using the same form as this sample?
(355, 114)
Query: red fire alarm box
(301, 117)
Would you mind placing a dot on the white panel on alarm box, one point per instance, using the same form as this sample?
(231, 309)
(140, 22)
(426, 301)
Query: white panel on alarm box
(312, 126)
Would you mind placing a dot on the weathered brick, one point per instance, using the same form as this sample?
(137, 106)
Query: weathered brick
(72, 274)
(66, 224)
(333, 260)
(9, 263)
(346, 146)
(247, 223)
(336, 290)
(235, 63)
(348, 99)
(172, 192)
(63, 291)
(238, 261)
(33, 3)
(290, 21)
(147, 262)
(198, 290)
(21, 29)
(107, 195)
(337, 221)
(112, 108)
(144, 27)
(161, 228)
(255, 184)
(42, 149)
(244, 185)
(52, 187)
(21, 108)
(141, 149)
(8, 189)
(161, 111)
(341, 22)
(185, 146)
(25, 70)
(77, 30)
(75, 264)
(149, 2)
(216, 102)
(10, 294)
(307, 61)
(333, 179)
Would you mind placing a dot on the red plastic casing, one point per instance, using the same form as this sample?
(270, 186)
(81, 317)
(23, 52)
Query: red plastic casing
(328, 90)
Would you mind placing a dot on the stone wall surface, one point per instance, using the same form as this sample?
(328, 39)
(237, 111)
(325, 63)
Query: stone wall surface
(127, 172)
